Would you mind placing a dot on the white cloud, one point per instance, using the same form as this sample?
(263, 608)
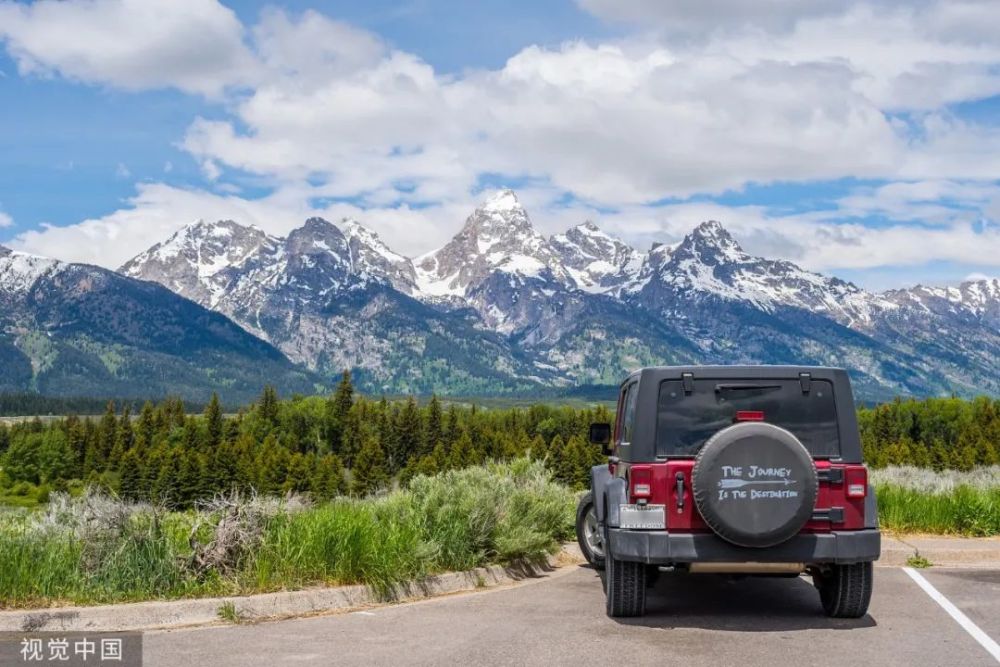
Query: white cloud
(819, 241)
(623, 123)
(712, 96)
(194, 45)
(5, 220)
(700, 17)
(122, 171)
(158, 210)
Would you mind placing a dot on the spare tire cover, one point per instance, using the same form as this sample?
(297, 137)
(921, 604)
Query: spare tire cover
(755, 484)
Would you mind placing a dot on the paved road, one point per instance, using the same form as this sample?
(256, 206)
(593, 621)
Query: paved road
(560, 620)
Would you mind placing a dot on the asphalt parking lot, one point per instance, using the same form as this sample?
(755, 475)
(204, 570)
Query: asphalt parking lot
(560, 620)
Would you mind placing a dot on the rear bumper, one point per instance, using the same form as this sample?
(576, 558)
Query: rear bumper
(659, 547)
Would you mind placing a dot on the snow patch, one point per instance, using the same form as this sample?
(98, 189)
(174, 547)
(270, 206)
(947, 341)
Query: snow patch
(502, 201)
(19, 271)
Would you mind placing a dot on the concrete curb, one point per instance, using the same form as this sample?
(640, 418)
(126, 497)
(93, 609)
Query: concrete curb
(203, 611)
(973, 552)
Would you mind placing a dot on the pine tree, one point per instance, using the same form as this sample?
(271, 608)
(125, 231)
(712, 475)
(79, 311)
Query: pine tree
(124, 438)
(165, 486)
(76, 434)
(188, 482)
(146, 428)
(387, 435)
(352, 437)
(434, 433)
(451, 425)
(268, 407)
(213, 421)
(107, 434)
(578, 463)
(964, 455)
(409, 432)
(130, 486)
(300, 470)
(327, 479)
(369, 473)
(537, 448)
(556, 461)
(462, 454)
(336, 412)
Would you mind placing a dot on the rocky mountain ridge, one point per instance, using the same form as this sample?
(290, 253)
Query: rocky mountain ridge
(580, 307)
(79, 330)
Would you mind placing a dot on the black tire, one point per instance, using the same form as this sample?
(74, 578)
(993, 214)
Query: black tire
(626, 588)
(846, 590)
(589, 534)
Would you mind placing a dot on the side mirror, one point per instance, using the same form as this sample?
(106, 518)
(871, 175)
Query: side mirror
(600, 434)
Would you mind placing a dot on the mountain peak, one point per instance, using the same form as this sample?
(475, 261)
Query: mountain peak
(220, 228)
(597, 261)
(317, 222)
(502, 200)
(316, 235)
(712, 229)
(712, 243)
(20, 270)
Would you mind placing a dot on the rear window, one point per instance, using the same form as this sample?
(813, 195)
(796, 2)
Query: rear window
(686, 421)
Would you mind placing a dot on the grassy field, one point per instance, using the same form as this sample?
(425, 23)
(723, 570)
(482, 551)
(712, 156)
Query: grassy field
(92, 549)
(948, 502)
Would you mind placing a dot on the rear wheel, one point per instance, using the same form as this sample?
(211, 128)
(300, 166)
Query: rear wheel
(588, 533)
(626, 588)
(846, 590)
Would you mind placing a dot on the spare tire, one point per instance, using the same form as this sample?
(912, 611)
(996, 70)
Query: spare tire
(755, 484)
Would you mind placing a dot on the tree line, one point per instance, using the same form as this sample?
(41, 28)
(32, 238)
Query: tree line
(939, 433)
(323, 446)
(349, 444)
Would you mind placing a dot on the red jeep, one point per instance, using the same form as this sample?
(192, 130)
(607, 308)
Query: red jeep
(732, 470)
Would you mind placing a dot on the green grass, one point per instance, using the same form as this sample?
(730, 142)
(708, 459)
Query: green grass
(93, 550)
(912, 500)
(963, 511)
(918, 562)
(228, 612)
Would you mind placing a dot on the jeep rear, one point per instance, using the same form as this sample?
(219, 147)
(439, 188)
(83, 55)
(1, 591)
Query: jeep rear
(733, 470)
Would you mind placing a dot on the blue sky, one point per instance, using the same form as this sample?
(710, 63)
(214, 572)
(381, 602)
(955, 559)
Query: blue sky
(858, 140)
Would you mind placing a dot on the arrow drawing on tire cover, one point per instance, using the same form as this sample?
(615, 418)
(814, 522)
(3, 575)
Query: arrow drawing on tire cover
(740, 483)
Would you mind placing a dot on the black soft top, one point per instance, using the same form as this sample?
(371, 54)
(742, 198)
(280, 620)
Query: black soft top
(643, 438)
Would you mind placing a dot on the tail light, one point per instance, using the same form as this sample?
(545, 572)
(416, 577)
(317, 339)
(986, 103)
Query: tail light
(641, 476)
(749, 415)
(856, 482)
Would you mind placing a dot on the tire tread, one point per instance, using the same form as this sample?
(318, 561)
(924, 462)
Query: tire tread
(626, 594)
(846, 591)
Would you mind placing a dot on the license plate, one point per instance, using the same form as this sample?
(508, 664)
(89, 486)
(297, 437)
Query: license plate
(643, 517)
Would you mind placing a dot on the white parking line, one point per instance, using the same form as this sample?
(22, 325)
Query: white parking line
(984, 639)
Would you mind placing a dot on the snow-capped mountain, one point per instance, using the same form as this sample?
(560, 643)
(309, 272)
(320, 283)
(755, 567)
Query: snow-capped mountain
(369, 254)
(74, 329)
(334, 297)
(500, 307)
(709, 261)
(498, 265)
(207, 261)
(498, 236)
(192, 261)
(20, 271)
(598, 262)
(978, 299)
